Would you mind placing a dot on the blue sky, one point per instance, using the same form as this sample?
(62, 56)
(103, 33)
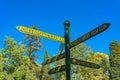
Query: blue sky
(49, 15)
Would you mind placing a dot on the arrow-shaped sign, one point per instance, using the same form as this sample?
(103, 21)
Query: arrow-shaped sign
(57, 69)
(40, 33)
(88, 35)
(76, 62)
(84, 63)
(55, 58)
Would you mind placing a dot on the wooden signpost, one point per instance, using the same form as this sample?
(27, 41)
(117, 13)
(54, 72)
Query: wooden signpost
(68, 45)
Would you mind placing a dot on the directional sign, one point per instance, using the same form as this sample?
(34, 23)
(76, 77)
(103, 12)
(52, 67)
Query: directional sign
(90, 34)
(40, 33)
(57, 69)
(55, 58)
(76, 62)
(84, 63)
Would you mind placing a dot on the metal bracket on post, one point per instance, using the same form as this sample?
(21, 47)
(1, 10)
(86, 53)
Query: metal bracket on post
(67, 49)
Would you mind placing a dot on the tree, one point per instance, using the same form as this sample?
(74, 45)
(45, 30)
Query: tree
(60, 75)
(114, 60)
(83, 52)
(2, 63)
(78, 72)
(98, 74)
(33, 44)
(77, 52)
(15, 66)
(45, 69)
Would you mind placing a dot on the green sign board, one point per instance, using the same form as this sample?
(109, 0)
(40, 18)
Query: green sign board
(55, 58)
(90, 34)
(84, 63)
(76, 62)
(57, 69)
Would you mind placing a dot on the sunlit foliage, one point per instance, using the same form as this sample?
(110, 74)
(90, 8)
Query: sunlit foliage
(114, 61)
(15, 66)
(45, 69)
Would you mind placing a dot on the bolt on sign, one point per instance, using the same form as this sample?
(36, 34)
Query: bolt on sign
(88, 35)
(40, 33)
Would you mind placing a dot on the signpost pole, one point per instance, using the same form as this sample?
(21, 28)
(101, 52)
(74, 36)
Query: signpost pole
(67, 49)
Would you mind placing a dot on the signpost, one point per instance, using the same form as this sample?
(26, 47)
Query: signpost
(88, 35)
(69, 60)
(68, 45)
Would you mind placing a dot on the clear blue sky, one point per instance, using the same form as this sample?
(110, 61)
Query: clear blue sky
(49, 15)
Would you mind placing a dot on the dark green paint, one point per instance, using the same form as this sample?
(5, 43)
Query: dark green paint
(67, 49)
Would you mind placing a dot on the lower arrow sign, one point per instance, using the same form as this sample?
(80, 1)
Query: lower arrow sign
(76, 62)
(57, 69)
(55, 58)
(84, 63)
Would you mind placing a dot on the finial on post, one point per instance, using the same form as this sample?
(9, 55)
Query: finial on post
(66, 23)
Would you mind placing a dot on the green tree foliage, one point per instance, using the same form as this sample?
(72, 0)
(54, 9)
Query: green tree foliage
(78, 72)
(60, 75)
(77, 52)
(97, 74)
(86, 73)
(33, 44)
(2, 62)
(15, 65)
(114, 61)
(45, 69)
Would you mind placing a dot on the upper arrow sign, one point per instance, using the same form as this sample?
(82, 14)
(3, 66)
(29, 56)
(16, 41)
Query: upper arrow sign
(90, 34)
(40, 33)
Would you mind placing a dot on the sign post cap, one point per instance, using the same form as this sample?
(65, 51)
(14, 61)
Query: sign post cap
(66, 23)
